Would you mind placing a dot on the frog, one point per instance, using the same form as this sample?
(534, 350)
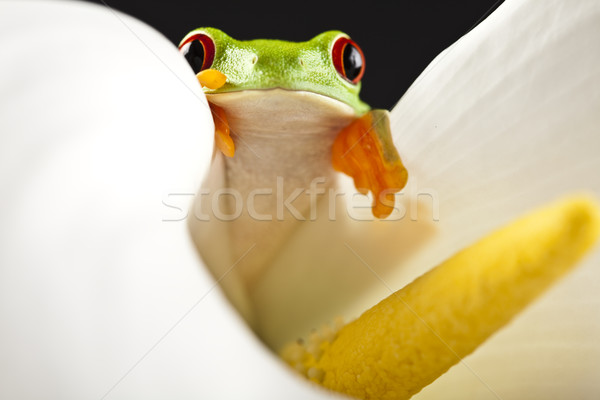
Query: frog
(267, 94)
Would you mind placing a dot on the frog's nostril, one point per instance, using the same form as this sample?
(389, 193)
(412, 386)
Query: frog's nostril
(254, 59)
(301, 61)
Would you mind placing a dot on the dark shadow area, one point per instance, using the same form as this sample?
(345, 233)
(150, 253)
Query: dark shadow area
(399, 38)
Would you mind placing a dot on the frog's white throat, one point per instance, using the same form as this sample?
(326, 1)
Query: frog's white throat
(280, 133)
(281, 168)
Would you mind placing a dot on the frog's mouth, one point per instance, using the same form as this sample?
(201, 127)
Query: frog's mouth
(213, 80)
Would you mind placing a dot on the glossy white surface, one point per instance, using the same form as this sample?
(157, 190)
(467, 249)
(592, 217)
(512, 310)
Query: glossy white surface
(101, 121)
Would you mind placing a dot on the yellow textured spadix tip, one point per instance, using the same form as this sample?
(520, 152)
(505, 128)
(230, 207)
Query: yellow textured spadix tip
(211, 78)
(409, 339)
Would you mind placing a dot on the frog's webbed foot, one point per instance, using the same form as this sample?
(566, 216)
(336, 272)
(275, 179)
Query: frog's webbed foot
(213, 79)
(223, 139)
(364, 150)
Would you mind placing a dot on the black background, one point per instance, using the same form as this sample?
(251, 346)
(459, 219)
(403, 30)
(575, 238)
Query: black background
(399, 38)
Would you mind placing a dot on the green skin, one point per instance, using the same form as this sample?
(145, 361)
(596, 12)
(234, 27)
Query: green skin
(269, 64)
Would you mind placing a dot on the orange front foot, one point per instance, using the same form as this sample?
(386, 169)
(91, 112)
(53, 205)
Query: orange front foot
(223, 139)
(364, 150)
(213, 79)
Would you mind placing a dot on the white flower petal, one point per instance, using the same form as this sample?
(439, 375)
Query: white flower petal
(101, 121)
(503, 121)
(507, 117)
(97, 132)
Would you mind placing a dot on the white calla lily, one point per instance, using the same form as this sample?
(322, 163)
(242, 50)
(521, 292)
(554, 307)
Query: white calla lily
(105, 136)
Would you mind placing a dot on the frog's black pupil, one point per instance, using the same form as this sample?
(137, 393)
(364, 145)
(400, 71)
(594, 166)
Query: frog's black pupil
(352, 62)
(195, 55)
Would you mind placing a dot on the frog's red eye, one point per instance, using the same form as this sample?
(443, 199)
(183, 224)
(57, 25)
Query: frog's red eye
(348, 59)
(199, 51)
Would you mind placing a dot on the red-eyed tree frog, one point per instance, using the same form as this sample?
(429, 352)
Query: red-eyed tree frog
(296, 108)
